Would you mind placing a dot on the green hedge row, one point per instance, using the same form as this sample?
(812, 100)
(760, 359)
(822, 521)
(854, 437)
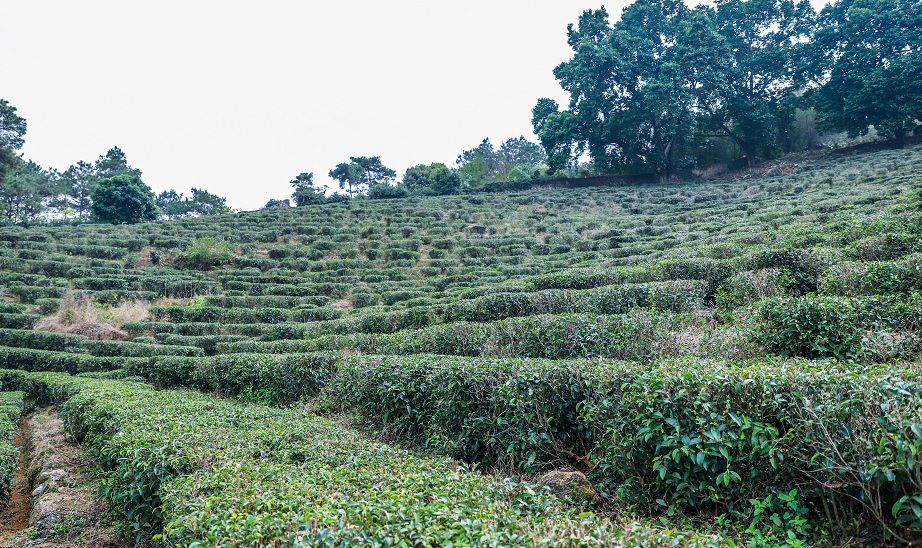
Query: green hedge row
(28, 359)
(206, 342)
(41, 340)
(214, 472)
(138, 350)
(30, 294)
(94, 251)
(196, 329)
(851, 279)
(803, 266)
(12, 308)
(279, 380)
(640, 335)
(701, 434)
(271, 301)
(63, 342)
(11, 405)
(864, 329)
(18, 321)
(214, 314)
(670, 296)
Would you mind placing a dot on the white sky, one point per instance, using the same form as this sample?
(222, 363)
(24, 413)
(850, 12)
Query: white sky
(238, 98)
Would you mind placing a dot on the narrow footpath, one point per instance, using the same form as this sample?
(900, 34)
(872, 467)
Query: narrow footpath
(54, 500)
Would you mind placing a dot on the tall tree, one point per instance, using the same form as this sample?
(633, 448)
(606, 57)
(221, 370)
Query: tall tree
(374, 172)
(746, 65)
(444, 180)
(558, 133)
(518, 152)
(171, 204)
(12, 126)
(305, 193)
(12, 132)
(77, 183)
(486, 163)
(204, 203)
(351, 177)
(416, 178)
(630, 105)
(476, 165)
(24, 193)
(867, 58)
(112, 163)
(124, 199)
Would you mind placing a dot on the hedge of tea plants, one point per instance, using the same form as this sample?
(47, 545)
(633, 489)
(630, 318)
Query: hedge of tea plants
(203, 471)
(697, 434)
(11, 404)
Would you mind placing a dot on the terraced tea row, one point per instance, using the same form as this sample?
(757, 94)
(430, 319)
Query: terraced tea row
(436, 318)
(212, 470)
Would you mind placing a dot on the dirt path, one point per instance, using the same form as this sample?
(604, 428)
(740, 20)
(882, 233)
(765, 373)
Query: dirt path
(15, 515)
(55, 500)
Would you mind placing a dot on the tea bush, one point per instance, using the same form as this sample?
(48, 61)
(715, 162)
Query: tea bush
(686, 433)
(11, 405)
(155, 478)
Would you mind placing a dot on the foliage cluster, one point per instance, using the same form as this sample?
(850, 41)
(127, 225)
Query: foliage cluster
(11, 405)
(288, 477)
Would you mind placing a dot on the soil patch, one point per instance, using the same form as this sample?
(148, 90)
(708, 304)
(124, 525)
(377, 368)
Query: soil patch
(14, 516)
(61, 506)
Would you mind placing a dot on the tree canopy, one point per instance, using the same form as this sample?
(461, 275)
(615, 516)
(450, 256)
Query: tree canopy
(124, 199)
(514, 159)
(631, 100)
(12, 137)
(867, 60)
(645, 89)
(305, 193)
(360, 173)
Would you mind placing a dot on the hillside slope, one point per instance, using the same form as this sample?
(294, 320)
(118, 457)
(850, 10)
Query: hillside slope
(687, 346)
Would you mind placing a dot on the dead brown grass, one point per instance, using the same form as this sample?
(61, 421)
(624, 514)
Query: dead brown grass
(83, 316)
(342, 304)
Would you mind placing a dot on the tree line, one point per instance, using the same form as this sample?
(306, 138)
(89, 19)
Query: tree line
(515, 158)
(668, 87)
(107, 190)
(651, 92)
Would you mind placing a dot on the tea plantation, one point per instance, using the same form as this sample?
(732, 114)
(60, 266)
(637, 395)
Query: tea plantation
(729, 362)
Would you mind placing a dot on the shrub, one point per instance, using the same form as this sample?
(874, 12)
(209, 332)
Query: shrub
(205, 254)
(41, 340)
(694, 434)
(11, 405)
(810, 327)
(362, 300)
(385, 191)
(18, 321)
(156, 473)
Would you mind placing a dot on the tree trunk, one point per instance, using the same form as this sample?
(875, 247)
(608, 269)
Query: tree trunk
(750, 157)
(900, 138)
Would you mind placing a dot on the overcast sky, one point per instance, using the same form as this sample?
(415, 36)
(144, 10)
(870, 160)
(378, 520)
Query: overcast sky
(238, 98)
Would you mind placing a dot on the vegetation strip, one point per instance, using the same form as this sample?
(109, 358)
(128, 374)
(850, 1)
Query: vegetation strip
(11, 404)
(689, 433)
(214, 471)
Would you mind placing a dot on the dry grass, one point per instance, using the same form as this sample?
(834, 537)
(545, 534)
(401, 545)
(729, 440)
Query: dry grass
(342, 304)
(83, 316)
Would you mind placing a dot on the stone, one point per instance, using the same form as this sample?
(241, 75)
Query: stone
(52, 475)
(42, 511)
(573, 487)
